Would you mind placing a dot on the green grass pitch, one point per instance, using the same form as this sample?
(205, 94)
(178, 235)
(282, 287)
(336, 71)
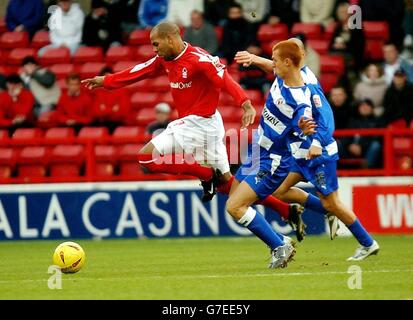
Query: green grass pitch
(208, 268)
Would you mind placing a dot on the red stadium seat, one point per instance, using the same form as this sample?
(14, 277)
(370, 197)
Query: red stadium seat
(17, 55)
(139, 37)
(91, 69)
(119, 53)
(128, 160)
(319, 45)
(219, 32)
(88, 54)
(66, 160)
(7, 162)
(32, 162)
(122, 65)
(62, 70)
(40, 39)
(140, 100)
(93, 132)
(403, 146)
(27, 133)
(4, 135)
(311, 30)
(329, 31)
(11, 40)
(269, 32)
(255, 96)
(328, 81)
(167, 98)
(230, 113)
(106, 158)
(333, 64)
(397, 124)
(376, 30)
(160, 84)
(374, 49)
(129, 132)
(59, 133)
(146, 116)
(144, 52)
(55, 55)
(267, 46)
(4, 70)
(3, 25)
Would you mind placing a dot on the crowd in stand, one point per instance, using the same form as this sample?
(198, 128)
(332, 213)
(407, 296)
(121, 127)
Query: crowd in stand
(369, 95)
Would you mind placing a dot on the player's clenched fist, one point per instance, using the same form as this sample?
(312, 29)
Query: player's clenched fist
(93, 83)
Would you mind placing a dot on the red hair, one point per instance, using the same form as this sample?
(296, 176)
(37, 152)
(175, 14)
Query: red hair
(289, 50)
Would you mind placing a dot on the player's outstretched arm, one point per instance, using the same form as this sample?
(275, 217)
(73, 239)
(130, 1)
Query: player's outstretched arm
(247, 59)
(93, 83)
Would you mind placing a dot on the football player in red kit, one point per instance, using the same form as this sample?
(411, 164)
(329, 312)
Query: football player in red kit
(196, 79)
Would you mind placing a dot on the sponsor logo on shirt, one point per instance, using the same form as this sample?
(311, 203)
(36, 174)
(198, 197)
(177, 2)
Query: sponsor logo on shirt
(317, 101)
(181, 85)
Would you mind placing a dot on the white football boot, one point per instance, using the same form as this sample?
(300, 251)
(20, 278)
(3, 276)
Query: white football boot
(281, 255)
(363, 252)
(333, 224)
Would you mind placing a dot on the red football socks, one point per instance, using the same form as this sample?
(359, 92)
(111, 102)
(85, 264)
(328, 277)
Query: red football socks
(175, 164)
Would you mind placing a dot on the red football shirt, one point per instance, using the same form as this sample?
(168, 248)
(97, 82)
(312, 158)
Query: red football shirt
(196, 79)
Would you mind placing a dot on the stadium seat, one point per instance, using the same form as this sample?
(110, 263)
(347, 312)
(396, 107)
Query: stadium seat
(4, 135)
(119, 53)
(167, 98)
(311, 30)
(4, 70)
(59, 133)
(376, 30)
(332, 63)
(32, 162)
(219, 32)
(140, 100)
(49, 119)
(329, 31)
(139, 37)
(93, 132)
(230, 113)
(88, 54)
(404, 162)
(255, 96)
(144, 53)
(91, 69)
(106, 159)
(328, 81)
(145, 116)
(321, 46)
(54, 56)
(11, 40)
(27, 133)
(40, 39)
(374, 49)
(267, 46)
(125, 133)
(3, 25)
(397, 124)
(128, 164)
(403, 145)
(17, 55)
(122, 65)
(66, 160)
(62, 70)
(269, 32)
(160, 84)
(7, 162)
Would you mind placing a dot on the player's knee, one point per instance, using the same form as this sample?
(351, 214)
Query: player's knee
(234, 209)
(330, 206)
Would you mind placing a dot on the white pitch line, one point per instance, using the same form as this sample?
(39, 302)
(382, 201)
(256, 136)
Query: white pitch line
(206, 276)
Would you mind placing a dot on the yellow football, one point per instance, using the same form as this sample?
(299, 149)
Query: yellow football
(69, 257)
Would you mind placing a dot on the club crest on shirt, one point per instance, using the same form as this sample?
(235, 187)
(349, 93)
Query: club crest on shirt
(279, 102)
(317, 101)
(184, 73)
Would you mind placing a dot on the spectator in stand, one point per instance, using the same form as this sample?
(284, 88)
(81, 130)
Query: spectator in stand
(179, 11)
(408, 30)
(284, 11)
(66, 26)
(111, 108)
(101, 27)
(25, 15)
(216, 11)
(16, 104)
(74, 108)
(238, 34)
(393, 61)
(372, 86)
(163, 115)
(152, 12)
(201, 33)
(398, 100)
(2, 82)
(347, 42)
(341, 104)
(391, 11)
(368, 147)
(312, 58)
(317, 11)
(255, 11)
(42, 84)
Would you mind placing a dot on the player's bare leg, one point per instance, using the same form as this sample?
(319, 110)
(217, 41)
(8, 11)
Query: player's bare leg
(238, 206)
